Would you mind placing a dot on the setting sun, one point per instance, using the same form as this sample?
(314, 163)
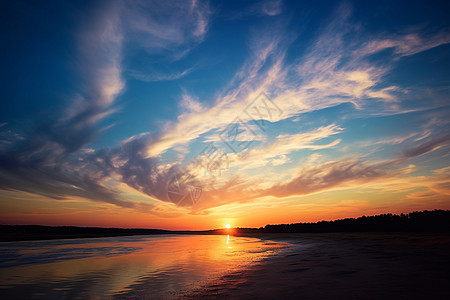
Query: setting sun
(228, 226)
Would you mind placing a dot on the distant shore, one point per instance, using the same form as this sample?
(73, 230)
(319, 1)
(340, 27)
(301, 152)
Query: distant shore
(424, 221)
(10, 233)
(343, 266)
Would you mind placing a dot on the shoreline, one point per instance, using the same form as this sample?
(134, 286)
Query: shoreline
(343, 266)
(19, 233)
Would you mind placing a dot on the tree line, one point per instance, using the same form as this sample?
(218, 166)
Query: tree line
(423, 221)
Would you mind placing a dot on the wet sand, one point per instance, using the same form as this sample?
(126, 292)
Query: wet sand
(343, 266)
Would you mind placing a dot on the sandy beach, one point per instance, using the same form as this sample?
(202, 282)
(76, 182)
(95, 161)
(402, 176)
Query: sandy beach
(343, 266)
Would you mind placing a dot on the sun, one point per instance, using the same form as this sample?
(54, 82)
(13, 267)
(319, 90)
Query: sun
(228, 226)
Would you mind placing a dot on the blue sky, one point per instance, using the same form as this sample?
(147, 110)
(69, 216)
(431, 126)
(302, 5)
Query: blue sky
(106, 102)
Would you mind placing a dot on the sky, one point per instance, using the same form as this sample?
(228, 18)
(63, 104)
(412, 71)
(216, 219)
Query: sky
(196, 114)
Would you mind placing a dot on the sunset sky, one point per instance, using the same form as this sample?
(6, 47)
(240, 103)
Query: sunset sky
(193, 114)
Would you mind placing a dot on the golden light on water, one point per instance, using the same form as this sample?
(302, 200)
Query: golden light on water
(143, 261)
(228, 242)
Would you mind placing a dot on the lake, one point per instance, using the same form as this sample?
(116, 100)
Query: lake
(156, 266)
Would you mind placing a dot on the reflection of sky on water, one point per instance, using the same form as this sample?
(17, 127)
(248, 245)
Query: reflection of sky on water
(161, 266)
(14, 258)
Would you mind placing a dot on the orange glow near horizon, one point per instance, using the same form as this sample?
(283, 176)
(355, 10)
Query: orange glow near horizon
(322, 206)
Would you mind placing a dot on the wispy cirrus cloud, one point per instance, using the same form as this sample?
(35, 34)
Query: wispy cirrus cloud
(395, 140)
(166, 31)
(168, 27)
(154, 77)
(405, 45)
(276, 151)
(272, 7)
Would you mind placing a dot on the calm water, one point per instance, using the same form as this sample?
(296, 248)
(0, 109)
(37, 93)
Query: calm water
(144, 266)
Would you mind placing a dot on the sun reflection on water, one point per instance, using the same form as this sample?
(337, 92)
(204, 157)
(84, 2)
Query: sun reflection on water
(104, 267)
(228, 242)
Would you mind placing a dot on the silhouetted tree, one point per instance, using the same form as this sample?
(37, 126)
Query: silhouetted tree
(435, 221)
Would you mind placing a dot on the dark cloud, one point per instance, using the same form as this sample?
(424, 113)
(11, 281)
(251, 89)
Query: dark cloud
(425, 147)
(140, 172)
(333, 174)
(52, 162)
(329, 175)
(57, 177)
